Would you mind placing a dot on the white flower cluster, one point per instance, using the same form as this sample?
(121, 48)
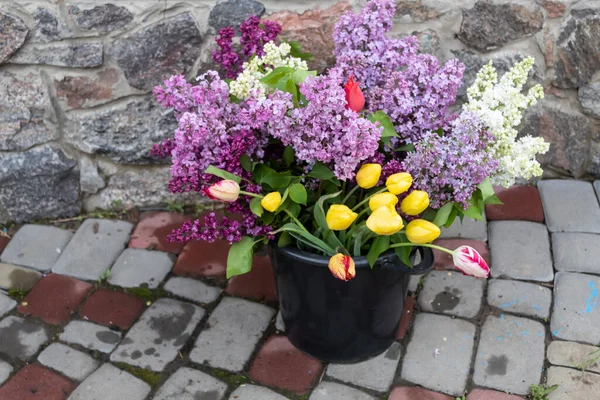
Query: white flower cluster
(500, 106)
(249, 80)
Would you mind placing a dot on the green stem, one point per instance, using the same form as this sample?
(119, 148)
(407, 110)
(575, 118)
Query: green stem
(367, 199)
(260, 196)
(433, 246)
(296, 220)
(350, 193)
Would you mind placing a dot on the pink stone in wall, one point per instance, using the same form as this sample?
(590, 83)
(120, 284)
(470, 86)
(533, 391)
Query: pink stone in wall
(555, 9)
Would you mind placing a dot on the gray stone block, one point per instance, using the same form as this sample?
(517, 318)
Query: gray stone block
(234, 329)
(571, 354)
(520, 297)
(252, 392)
(189, 383)
(192, 289)
(157, 337)
(6, 304)
(111, 383)
(90, 336)
(575, 315)
(520, 250)
(452, 293)
(36, 246)
(21, 338)
(5, 371)
(413, 283)
(93, 249)
(572, 384)
(510, 356)
(576, 252)
(570, 206)
(468, 229)
(438, 356)
(69, 362)
(376, 373)
(331, 390)
(137, 267)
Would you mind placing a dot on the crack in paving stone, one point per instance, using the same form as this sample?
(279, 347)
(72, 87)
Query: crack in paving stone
(497, 365)
(446, 300)
(11, 344)
(108, 337)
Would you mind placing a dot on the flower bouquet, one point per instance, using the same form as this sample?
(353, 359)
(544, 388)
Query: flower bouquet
(354, 168)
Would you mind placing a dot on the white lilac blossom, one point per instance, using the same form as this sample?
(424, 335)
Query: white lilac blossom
(500, 105)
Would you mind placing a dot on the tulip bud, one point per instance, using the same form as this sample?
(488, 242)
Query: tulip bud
(342, 267)
(340, 217)
(225, 190)
(271, 201)
(382, 199)
(420, 231)
(385, 221)
(368, 175)
(399, 183)
(354, 96)
(415, 203)
(468, 261)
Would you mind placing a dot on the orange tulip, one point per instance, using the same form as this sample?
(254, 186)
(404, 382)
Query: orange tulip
(342, 267)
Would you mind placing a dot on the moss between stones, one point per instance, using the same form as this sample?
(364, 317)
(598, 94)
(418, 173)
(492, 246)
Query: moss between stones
(150, 377)
(147, 294)
(230, 378)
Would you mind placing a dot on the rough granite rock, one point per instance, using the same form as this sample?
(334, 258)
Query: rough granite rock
(154, 53)
(75, 90)
(103, 18)
(75, 55)
(488, 26)
(233, 13)
(589, 97)
(90, 180)
(12, 35)
(48, 27)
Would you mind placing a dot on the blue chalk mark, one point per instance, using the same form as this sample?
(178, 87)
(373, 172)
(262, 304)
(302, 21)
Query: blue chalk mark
(536, 307)
(592, 300)
(556, 331)
(499, 338)
(524, 333)
(518, 323)
(468, 337)
(512, 303)
(540, 334)
(462, 349)
(501, 316)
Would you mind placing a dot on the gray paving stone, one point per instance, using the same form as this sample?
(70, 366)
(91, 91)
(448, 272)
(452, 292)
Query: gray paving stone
(69, 362)
(6, 304)
(234, 329)
(21, 338)
(279, 324)
(570, 206)
(575, 315)
(452, 293)
(597, 188)
(519, 297)
(376, 373)
(332, 390)
(192, 289)
(571, 354)
(111, 383)
(572, 384)
(413, 283)
(576, 252)
(15, 277)
(520, 250)
(190, 384)
(93, 249)
(468, 229)
(36, 246)
(90, 336)
(438, 356)
(138, 267)
(252, 392)
(5, 371)
(156, 338)
(510, 356)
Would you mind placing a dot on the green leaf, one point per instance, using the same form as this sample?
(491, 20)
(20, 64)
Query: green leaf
(291, 87)
(320, 171)
(267, 218)
(222, 174)
(379, 245)
(246, 162)
(487, 190)
(294, 209)
(274, 76)
(319, 212)
(278, 180)
(388, 128)
(255, 207)
(285, 239)
(239, 259)
(296, 51)
(473, 212)
(358, 238)
(443, 213)
(299, 76)
(332, 239)
(288, 155)
(403, 254)
(493, 200)
(406, 147)
(315, 241)
(451, 217)
(298, 193)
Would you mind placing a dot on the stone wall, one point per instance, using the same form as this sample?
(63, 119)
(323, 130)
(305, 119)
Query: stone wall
(77, 118)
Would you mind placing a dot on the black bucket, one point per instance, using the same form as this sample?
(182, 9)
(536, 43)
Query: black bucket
(343, 322)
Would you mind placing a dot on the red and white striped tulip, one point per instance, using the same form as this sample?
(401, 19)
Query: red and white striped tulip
(225, 190)
(342, 267)
(468, 261)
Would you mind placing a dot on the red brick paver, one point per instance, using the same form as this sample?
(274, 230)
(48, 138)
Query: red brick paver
(34, 382)
(416, 393)
(203, 260)
(54, 297)
(443, 260)
(480, 394)
(108, 307)
(280, 364)
(154, 227)
(520, 203)
(257, 284)
(3, 243)
(407, 317)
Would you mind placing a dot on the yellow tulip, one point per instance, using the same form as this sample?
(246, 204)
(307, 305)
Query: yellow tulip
(399, 183)
(382, 199)
(368, 175)
(271, 201)
(385, 221)
(342, 267)
(415, 203)
(340, 217)
(420, 231)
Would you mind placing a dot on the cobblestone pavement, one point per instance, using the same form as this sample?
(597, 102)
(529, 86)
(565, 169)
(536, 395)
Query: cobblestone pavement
(165, 324)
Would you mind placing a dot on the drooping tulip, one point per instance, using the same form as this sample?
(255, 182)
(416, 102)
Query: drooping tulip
(415, 203)
(271, 201)
(382, 199)
(368, 175)
(468, 261)
(354, 96)
(420, 231)
(340, 217)
(399, 183)
(225, 190)
(342, 267)
(385, 221)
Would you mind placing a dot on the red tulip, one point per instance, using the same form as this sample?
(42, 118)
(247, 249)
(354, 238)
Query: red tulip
(342, 267)
(468, 261)
(354, 96)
